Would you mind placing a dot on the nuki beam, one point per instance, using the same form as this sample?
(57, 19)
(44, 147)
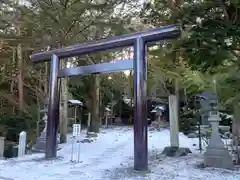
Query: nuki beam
(101, 68)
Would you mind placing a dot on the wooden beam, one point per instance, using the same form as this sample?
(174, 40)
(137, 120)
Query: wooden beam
(102, 68)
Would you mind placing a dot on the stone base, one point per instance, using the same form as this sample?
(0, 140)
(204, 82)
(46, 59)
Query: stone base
(218, 158)
(40, 145)
(176, 151)
(92, 135)
(41, 150)
(159, 125)
(35, 150)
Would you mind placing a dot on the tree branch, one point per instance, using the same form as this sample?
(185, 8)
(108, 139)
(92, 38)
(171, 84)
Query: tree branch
(92, 22)
(46, 11)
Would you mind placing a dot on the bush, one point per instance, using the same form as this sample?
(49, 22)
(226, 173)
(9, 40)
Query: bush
(11, 150)
(187, 125)
(187, 122)
(13, 124)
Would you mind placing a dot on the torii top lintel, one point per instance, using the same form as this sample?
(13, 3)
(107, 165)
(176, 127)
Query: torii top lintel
(158, 34)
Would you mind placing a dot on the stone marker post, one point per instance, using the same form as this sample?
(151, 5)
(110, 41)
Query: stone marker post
(173, 118)
(173, 149)
(22, 143)
(2, 147)
(216, 154)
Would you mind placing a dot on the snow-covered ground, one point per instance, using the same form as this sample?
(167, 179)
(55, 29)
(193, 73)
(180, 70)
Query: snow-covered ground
(111, 158)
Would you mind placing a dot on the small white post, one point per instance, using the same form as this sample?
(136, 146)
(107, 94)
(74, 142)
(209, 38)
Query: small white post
(22, 143)
(76, 140)
(173, 115)
(2, 147)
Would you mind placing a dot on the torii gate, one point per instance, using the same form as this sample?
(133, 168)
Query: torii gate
(140, 41)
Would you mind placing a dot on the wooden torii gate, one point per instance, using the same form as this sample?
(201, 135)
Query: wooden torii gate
(140, 41)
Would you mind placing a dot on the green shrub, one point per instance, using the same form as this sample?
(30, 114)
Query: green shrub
(187, 125)
(187, 121)
(13, 124)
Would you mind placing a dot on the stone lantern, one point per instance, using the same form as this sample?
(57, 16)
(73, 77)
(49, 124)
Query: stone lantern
(75, 104)
(158, 111)
(40, 145)
(216, 154)
(107, 114)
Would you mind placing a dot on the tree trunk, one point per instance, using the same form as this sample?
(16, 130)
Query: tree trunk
(236, 127)
(45, 85)
(174, 5)
(20, 77)
(13, 81)
(236, 132)
(63, 108)
(19, 62)
(94, 105)
(39, 109)
(131, 88)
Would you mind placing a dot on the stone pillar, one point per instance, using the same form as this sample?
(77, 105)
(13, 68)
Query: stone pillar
(173, 118)
(2, 139)
(22, 144)
(216, 154)
(40, 146)
(173, 149)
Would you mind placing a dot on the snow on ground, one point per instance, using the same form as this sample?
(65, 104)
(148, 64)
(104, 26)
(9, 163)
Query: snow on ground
(111, 158)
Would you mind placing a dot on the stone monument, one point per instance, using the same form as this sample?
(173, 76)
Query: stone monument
(22, 144)
(174, 149)
(40, 145)
(216, 154)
